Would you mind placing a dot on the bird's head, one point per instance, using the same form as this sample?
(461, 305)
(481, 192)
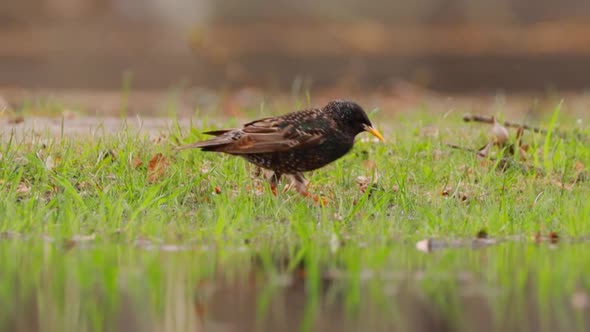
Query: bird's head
(351, 117)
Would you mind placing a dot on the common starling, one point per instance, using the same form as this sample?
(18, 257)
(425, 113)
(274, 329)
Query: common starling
(295, 142)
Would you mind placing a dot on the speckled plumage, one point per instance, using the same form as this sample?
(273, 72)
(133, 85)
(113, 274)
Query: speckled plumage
(296, 142)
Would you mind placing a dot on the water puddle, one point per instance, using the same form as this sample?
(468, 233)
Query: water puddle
(506, 284)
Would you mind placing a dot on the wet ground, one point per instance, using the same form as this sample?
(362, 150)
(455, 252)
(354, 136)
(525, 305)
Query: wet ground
(511, 286)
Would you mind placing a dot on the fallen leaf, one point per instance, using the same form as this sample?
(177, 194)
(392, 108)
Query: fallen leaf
(363, 181)
(519, 134)
(367, 184)
(16, 119)
(159, 139)
(136, 163)
(462, 196)
(566, 186)
(49, 163)
(83, 238)
(482, 234)
(522, 150)
(22, 188)
(484, 151)
(77, 240)
(553, 237)
(157, 167)
(447, 191)
(424, 245)
(499, 132)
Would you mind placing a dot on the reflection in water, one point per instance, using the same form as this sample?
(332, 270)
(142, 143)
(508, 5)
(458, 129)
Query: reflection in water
(117, 288)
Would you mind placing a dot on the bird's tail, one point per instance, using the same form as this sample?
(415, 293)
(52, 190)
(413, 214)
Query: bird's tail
(209, 145)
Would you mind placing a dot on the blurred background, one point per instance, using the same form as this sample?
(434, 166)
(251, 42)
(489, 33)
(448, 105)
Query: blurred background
(454, 46)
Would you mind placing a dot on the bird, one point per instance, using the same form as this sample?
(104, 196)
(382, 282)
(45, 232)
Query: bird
(294, 143)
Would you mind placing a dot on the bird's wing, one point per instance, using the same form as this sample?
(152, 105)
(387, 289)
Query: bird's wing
(276, 135)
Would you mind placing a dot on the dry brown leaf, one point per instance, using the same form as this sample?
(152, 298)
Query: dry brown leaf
(16, 119)
(78, 239)
(482, 234)
(363, 182)
(83, 237)
(424, 245)
(49, 163)
(484, 151)
(447, 191)
(157, 167)
(553, 237)
(159, 139)
(579, 166)
(136, 163)
(499, 132)
(522, 150)
(367, 184)
(463, 197)
(23, 188)
(566, 186)
(519, 134)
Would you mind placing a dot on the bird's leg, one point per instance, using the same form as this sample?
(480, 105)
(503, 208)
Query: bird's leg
(257, 171)
(273, 179)
(301, 187)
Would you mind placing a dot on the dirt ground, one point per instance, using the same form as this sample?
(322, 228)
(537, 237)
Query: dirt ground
(83, 112)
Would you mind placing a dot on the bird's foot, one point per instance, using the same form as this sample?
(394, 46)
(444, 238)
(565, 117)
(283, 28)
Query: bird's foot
(273, 180)
(320, 200)
(273, 189)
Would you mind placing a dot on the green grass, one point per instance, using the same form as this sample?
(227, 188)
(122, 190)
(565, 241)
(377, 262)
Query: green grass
(223, 227)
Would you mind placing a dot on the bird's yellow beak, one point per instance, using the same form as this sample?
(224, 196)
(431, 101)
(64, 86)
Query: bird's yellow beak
(374, 132)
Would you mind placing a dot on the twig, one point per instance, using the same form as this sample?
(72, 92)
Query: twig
(490, 120)
(502, 163)
(477, 152)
